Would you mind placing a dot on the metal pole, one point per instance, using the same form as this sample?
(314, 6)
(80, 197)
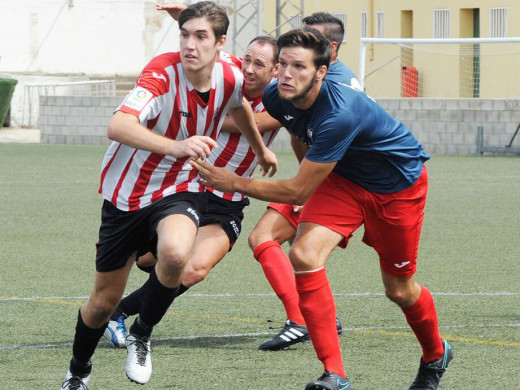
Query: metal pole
(234, 49)
(361, 70)
(480, 140)
(277, 18)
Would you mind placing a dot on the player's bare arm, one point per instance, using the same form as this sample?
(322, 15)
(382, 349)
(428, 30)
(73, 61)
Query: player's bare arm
(244, 118)
(293, 191)
(173, 9)
(299, 148)
(126, 129)
(264, 123)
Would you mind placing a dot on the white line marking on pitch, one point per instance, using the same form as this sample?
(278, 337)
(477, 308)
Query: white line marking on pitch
(262, 295)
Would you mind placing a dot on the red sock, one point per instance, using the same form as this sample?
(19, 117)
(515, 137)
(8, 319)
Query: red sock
(422, 318)
(279, 272)
(317, 306)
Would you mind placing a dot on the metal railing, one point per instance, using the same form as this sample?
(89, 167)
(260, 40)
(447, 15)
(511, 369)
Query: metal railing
(509, 148)
(32, 93)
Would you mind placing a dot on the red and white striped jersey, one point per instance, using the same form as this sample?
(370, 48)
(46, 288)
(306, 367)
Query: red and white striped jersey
(233, 151)
(166, 102)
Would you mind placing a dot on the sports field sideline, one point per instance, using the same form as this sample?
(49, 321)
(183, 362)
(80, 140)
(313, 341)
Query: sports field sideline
(469, 258)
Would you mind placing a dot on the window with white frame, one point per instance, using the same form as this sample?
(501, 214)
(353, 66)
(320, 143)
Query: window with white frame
(380, 24)
(364, 25)
(295, 21)
(498, 22)
(343, 18)
(441, 23)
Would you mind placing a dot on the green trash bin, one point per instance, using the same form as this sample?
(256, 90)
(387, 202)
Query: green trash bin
(6, 94)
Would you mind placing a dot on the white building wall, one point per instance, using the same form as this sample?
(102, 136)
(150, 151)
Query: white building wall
(93, 37)
(55, 41)
(101, 37)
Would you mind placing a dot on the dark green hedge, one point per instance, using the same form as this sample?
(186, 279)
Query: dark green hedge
(6, 93)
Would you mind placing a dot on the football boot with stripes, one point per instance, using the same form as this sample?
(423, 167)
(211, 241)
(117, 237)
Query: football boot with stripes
(292, 333)
(339, 327)
(329, 381)
(115, 332)
(430, 374)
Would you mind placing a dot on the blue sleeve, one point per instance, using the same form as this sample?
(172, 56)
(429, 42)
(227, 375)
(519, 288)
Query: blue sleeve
(270, 100)
(340, 73)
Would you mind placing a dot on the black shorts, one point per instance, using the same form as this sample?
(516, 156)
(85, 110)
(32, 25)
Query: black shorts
(227, 213)
(125, 232)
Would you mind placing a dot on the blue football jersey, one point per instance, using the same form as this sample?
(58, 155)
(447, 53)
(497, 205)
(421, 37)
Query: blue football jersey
(344, 125)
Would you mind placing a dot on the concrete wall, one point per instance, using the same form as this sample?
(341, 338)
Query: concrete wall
(443, 126)
(449, 126)
(75, 119)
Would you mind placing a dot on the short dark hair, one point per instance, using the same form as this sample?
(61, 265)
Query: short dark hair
(308, 38)
(267, 40)
(334, 29)
(216, 15)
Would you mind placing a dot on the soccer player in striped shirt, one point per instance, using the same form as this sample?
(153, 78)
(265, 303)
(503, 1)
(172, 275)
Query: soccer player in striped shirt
(221, 221)
(152, 196)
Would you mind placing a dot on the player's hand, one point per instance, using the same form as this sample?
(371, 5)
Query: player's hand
(297, 208)
(268, 163)
(195, 147)
(174, 9)
(219, 178)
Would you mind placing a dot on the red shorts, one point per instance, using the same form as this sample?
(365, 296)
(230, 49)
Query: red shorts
(287, 211)
(392, 222)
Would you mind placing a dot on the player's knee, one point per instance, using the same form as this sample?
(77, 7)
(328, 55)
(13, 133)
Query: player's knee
(300, 259)
(100, 310)
(254, 240)
(259, 236)
(146, 260)
(399, 296)
(172, 257)
(192, 276)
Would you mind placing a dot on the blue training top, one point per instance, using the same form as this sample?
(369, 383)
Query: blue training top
(372, 149)
(341, 73)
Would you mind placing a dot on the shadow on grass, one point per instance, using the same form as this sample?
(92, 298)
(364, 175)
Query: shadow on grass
(214, 342)
(246, 342)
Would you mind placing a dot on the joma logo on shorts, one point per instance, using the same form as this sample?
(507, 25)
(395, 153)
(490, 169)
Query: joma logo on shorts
(194, 213)
(235, 227)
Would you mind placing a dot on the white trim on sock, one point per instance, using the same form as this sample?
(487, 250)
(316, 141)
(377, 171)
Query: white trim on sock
(308, 272)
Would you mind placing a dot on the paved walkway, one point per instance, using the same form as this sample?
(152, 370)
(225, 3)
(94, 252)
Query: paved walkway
(9, 134)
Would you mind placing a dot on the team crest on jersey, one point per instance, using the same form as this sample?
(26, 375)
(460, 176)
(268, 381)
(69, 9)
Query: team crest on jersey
(138, 98)
(309, 133)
